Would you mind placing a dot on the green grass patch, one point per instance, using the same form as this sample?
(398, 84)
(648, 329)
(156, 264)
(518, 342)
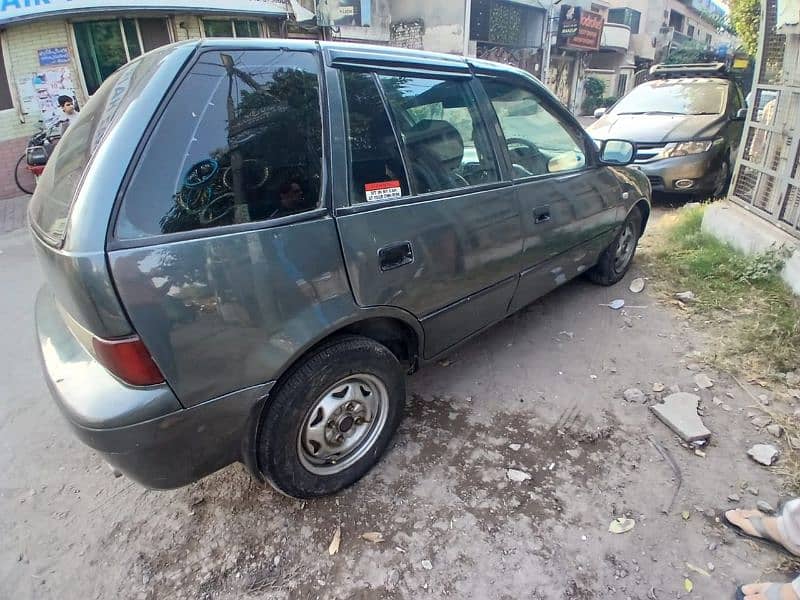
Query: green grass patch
(757, 314)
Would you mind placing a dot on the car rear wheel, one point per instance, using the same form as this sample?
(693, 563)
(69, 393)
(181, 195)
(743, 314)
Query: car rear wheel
(332, 418)
(617, 258)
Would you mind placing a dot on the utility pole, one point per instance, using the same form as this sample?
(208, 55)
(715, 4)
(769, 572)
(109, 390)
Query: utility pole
(547, 38)
(467, 19)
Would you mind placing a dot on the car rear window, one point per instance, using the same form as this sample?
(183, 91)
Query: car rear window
(239, 142)
(58, 186)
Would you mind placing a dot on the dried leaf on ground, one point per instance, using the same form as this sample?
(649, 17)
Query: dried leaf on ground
(337, 539)
(375, 537)
(621, 525)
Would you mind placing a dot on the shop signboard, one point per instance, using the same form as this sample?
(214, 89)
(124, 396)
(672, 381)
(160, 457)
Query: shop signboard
(587, 38)
(335, 13)
(53, 56)
(570, 21)
(25, 10)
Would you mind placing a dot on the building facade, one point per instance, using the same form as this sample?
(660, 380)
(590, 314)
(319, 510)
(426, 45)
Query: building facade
(54, 48)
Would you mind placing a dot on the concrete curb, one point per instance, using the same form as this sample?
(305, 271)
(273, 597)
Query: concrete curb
(749, 233)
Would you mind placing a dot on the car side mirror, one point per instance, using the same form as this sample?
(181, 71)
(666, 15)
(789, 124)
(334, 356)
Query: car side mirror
(741, 115)
(599, 112)
(617, 152)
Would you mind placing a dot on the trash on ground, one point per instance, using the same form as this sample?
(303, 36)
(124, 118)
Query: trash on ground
(685, 296)
(658, 387)
(761, 421)
(621, 525)
(615, 304)
(637, 285)
(765, 454)
(688, 585)
(517, 475)
(702, 572)
(426, 564)
(686, 515)
(702, 381)
(515, 447)
(376, 537)
(633, 395)
(775, 430)
(337, 539)
(679, 412)
(765, 507)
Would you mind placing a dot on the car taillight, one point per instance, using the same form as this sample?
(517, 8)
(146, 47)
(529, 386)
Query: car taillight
(128, 359)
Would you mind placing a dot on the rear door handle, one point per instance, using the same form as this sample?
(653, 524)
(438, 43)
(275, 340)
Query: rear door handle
(395, 255)
(541, 215)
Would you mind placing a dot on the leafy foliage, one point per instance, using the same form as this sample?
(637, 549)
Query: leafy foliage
(745, 17)
(689, 52)
(757, 314)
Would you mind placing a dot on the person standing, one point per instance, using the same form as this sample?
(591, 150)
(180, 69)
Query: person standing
(70, 113)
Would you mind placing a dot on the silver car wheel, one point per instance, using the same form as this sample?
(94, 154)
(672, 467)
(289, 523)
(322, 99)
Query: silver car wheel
(343, 424)
(625, 248)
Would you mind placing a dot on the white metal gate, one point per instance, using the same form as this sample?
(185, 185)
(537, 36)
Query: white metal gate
(767, 175)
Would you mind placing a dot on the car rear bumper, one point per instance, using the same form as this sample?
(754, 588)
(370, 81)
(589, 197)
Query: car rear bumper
(700, 169)
(142, 432)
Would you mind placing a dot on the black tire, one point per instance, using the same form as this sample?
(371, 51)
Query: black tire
(609, 269)
(284, 458)
(723, 181)
(25, 189)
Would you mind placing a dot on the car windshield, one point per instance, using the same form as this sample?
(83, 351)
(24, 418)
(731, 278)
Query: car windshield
(695, 97)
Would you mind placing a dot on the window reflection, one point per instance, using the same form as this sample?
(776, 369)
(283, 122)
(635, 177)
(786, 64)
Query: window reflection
(242, 142)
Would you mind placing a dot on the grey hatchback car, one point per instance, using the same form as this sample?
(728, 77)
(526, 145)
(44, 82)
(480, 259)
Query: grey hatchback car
(247, 244)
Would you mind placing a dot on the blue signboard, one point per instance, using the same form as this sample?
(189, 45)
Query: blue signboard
(53, 56)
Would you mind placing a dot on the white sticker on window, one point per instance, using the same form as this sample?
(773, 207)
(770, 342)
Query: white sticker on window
(385, 190)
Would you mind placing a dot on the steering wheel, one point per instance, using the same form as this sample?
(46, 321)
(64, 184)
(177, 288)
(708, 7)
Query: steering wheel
(534, 155)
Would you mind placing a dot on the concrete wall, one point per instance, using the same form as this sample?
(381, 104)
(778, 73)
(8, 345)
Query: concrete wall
(442, 25)
(751, 234)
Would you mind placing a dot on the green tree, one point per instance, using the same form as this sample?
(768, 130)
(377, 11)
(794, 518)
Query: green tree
(745, 17)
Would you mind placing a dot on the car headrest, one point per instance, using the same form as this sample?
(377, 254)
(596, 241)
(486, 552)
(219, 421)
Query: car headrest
(438, 138)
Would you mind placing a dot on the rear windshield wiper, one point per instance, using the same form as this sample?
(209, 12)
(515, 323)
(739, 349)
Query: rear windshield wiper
(651, 112)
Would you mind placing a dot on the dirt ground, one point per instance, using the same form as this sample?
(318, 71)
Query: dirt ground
(549, 379)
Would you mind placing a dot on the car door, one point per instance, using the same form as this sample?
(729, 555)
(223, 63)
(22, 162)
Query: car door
(568, 204)
(430, 226)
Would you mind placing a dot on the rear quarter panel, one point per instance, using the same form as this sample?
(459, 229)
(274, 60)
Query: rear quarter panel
(224, 313)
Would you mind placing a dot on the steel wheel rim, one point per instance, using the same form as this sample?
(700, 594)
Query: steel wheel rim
(343, 424)
(625, 247)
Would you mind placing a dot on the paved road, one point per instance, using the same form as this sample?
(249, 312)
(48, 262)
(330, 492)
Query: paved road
(549, 379)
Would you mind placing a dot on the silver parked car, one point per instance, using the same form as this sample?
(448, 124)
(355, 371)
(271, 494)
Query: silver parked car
(247, 244)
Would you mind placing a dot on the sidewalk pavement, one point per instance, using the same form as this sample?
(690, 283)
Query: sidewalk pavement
(13, 213)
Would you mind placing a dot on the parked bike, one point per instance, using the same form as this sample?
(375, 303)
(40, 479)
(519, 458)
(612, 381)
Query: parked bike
(37, 153)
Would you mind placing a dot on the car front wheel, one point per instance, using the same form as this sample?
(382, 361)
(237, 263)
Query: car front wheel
(332, 418)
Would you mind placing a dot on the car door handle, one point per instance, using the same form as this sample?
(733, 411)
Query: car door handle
(395, 255)
(541, 215)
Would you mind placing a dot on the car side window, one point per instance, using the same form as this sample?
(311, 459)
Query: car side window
(538, 141)
(241, 141)
(445, 141)
(376, 166)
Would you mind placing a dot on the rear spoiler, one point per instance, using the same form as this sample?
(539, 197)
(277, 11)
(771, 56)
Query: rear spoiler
(689, 70)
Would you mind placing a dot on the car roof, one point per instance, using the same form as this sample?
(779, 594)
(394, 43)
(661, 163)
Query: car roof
(377, 52)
